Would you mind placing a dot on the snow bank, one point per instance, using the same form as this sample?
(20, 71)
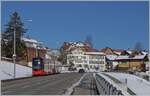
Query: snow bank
(138, 85)
(7, 70)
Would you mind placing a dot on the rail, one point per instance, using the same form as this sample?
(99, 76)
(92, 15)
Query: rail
(117, 81)
(104, 87)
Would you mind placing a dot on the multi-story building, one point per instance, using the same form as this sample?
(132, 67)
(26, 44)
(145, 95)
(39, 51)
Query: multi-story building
(81, 58)
(96, 60)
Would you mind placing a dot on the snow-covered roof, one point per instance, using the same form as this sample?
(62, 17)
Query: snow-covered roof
(31, 40)
(124, 57)
(129, 51)
(80, 44)
(111, 57)
(118, 53)
(144, 52)
(127, 57)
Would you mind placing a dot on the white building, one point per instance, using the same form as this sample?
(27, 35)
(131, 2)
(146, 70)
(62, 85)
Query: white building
(96, 60)
(89, 61)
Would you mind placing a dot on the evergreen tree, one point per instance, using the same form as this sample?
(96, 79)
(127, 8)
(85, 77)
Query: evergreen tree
(16, 25)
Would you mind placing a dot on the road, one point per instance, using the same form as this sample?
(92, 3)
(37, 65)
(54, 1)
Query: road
(42, 85)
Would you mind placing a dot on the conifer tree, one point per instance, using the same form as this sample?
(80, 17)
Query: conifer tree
(15, 24)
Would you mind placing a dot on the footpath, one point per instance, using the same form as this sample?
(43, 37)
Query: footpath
(86, 87)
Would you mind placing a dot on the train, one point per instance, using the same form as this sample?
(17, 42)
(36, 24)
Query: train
(42, 66)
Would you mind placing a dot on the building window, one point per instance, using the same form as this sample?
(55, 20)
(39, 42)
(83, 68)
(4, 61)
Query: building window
(123, 62)
(83, 57)
(78, 65)
(85, 66)
(101, 62)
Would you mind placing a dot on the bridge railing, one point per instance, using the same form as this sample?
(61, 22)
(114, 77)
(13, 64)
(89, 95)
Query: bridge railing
(104, 87)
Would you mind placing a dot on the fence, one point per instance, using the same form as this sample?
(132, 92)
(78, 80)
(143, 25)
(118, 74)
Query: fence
(105, 88)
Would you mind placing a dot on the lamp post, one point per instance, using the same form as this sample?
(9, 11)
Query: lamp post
(149, 51)
(14, 54)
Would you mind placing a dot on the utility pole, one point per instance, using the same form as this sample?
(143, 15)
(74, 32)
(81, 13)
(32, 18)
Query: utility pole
(149, 64)
(14, 55)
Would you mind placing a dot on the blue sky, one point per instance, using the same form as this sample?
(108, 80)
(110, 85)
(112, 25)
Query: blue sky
(114, 24)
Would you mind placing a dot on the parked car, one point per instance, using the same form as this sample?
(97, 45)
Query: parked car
(81, 70)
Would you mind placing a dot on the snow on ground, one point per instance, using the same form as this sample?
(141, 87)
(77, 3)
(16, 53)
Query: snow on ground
(114, 84)
(138, 85)
(7, 70)
(70, 90)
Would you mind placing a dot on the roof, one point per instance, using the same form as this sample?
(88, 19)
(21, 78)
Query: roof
(70, 46)
(32, 43)
(124, 57)
(129, 58)
(111, 57)
(129, 51)
(118, 50)
(108, 51)
(89, 49)
(30, 40)
(94, 53)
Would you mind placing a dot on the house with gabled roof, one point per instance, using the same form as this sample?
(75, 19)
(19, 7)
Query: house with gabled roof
(137, 62)
(126, 62)
(84, 57)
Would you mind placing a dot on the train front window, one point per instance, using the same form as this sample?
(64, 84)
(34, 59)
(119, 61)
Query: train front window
(37, 63)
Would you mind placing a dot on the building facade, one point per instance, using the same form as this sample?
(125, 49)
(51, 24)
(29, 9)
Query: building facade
(136, 63)
(34, 48)
(89, 61)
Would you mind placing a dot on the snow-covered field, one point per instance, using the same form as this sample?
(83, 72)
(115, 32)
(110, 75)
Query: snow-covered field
(136, 84)
(7, 70)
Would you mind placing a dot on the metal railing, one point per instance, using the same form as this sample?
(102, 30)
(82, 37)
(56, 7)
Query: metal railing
(105, 88)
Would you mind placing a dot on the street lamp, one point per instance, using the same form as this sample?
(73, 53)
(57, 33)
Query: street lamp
(149, 64)
(14, 55)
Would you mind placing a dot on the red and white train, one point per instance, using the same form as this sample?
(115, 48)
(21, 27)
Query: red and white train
(42, 66)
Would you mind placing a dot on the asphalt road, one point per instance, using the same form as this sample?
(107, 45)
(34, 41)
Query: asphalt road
(42, 85)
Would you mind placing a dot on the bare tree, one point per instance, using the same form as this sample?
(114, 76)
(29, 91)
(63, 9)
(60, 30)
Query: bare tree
(138, 47)
(89, 41)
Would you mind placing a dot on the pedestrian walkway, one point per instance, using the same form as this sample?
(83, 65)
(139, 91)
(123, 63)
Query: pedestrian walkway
(86, 87)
